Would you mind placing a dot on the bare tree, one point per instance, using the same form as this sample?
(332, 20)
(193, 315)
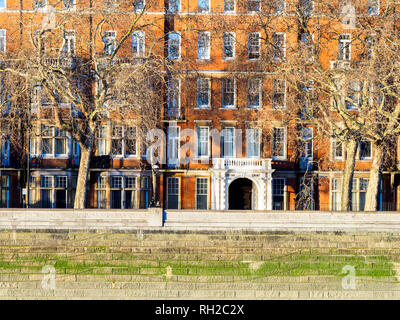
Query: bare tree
(356, 90)
(95, 77)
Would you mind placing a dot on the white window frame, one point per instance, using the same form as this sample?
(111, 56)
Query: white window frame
(233, 142)
(174, 42)
(118, 187)
(334, 143)
(274, 92)
(135, 9)
(5, 151)
(176, 111)
(282, 49)
(199, 88)
(174, 9)
(3, 40)
(249, 83)
(102, 140)
(359, 157)
(307, 104)
(343, 43)
(253, 1)
(250, 141)
(280, 157)
(197, 194)
(5, 190)
(303, 202)
(279, 195)
(123, 138)
(201, 37)
(199, 141)
(370, 41)
(223, 88)
(109, 41)
(229, 11)
(307, 144)
(101, 188)
(336, 193)
(71, 4)
(138, 37)
(279, 7)
(307, 41)
(39, 4)
(203, 11)
(70, 43)
(231, 36)
(373, 5)
(173, 148)
(179, 191)
(311, 6)
(53, 188)
(53, 137)
(251, 46)
(354, 88)
(135, 188)
(356, 191)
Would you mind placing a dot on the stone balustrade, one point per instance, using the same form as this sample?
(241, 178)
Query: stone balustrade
(241, 163)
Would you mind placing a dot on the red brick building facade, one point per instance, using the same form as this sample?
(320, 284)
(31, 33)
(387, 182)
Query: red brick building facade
(246, 154)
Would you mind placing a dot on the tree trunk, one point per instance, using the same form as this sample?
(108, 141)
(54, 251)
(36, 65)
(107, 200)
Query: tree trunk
(371, 201)
(84, 165)
(347, 181)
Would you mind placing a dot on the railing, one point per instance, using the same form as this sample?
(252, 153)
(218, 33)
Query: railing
(121, 61)
(340, 64)
(60, 62)
(241, 163)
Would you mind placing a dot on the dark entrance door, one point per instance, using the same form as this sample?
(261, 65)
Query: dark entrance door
(240, 194)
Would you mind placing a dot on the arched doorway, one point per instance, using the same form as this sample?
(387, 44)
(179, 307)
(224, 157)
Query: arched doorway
(241, 194)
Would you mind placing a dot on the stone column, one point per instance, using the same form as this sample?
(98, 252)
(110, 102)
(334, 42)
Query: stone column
(224, 192)
(215, 194)
(269, 191)
(261, 192)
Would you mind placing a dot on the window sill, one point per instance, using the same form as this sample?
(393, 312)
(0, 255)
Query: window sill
(205, 60)
(203, 108)
(228, 108)
(202, 158)
(278, 107)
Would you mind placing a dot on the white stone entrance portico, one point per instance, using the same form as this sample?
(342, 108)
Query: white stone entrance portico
(225, 171)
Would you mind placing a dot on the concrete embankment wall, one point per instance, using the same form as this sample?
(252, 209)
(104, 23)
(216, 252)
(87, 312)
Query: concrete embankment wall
(59, 219)
(139, 254)
(181, 264)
